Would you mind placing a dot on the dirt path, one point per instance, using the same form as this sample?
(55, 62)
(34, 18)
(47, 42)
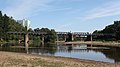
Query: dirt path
(11, 59)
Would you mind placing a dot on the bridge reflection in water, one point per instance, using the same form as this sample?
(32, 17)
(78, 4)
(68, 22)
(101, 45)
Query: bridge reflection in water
(111, 54)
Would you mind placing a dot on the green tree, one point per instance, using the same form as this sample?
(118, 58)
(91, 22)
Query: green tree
(118, 32)
(69, 37)
(111, 29)
(8, 24)
(1, 26)
(51, 34)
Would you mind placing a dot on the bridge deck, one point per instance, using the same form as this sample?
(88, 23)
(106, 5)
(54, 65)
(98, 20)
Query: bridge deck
(32, 33)
(62, 33)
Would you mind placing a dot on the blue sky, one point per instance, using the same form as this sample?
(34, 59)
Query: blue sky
(64, 15)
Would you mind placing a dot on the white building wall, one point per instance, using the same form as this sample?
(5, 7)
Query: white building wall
(25, 23)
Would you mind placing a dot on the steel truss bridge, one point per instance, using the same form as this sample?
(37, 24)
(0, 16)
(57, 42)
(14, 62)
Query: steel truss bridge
(62, 34)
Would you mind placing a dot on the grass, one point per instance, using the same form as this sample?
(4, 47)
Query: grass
(33, 62)
(43, 63)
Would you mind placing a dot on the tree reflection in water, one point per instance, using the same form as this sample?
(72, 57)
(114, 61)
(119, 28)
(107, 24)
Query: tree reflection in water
(51, 49)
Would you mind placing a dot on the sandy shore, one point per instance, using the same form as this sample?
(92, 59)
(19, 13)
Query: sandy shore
(117, 44)
(11, 59)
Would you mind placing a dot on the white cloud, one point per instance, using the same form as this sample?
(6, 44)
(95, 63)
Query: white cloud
(58, 9)
(108, 9)
(71, 0)
(20, 9)
(65, 27)
(23, 8)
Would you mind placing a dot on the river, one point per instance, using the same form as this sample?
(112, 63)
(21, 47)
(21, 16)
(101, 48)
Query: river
(80, 51)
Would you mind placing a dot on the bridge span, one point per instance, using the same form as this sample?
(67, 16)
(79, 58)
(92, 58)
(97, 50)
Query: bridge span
(81, 35)
(62, 34)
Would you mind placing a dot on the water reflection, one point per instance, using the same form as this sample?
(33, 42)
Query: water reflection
(113, 53)
(47, 49)
(81, 51)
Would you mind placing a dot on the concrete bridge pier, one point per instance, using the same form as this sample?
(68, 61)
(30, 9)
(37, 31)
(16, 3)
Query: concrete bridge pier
(26, 37)
(65, 37)
(57, 38)
(91, 39)
(1, 45)
(43, 39)
(72, 37)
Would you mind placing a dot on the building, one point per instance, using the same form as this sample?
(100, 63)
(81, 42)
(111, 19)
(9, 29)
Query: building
(25, 23)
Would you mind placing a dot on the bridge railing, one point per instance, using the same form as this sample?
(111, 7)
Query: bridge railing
(64, 33)
(33, 33)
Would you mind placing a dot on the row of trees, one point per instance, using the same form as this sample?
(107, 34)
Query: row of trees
(51, 34)
(8, 24)
(111, 29)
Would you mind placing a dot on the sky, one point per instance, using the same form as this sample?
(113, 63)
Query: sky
(64, 15)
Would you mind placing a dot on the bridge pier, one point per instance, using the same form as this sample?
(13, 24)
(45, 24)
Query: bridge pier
(57, 38)
(1, 45)
(43, 39)
(26, 37)
(91, 39)
(65, 37)
(72, 37)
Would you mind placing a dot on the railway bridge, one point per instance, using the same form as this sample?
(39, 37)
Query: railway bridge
(59, 35)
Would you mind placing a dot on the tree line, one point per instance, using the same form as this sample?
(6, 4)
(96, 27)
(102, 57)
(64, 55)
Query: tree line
(110, 29)
(8, 24)
(51, 34)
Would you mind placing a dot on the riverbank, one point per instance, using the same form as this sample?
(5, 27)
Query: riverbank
(11, 59)
(117, 44)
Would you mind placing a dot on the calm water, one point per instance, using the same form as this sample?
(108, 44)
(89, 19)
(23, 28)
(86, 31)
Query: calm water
(80, 51)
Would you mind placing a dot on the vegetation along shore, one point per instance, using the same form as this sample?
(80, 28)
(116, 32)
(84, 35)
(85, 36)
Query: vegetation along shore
(117, 44)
